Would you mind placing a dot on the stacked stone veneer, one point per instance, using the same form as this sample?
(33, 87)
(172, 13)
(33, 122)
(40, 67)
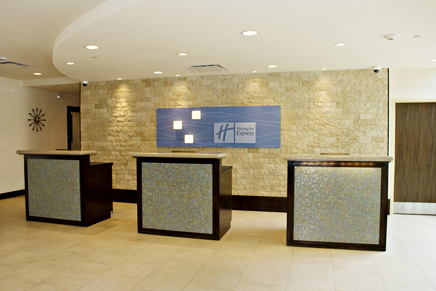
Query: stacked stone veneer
(330, 111)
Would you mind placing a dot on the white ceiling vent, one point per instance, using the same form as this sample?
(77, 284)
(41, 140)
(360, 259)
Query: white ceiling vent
(208, 68)
(12, 65)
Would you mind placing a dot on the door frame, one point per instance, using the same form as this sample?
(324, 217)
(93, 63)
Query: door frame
(70, 124)
(392, 133)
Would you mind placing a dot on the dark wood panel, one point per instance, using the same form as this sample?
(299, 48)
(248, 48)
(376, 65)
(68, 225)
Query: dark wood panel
(415, 152)
(259, 203)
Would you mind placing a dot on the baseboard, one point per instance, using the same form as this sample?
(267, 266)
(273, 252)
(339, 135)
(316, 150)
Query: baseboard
(11, 194)
(259, 203)
(125, 196)
(249, 203)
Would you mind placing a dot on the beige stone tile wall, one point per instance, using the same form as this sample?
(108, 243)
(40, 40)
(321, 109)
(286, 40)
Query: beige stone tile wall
(328, 111)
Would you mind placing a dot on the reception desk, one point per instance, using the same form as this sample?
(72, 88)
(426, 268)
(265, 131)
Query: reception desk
(184, 194)
(338, 201)
(62, 186)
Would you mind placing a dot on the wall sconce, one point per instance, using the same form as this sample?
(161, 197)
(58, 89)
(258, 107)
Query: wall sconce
(177, 124)
(189, 138)
(196, 114)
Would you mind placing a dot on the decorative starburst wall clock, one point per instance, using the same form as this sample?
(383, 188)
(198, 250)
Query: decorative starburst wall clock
(36, 120)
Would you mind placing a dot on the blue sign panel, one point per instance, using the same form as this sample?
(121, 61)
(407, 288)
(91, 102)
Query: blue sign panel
(243, 127)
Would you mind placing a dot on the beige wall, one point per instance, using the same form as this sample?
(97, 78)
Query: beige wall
(330, 111)
(15, 134)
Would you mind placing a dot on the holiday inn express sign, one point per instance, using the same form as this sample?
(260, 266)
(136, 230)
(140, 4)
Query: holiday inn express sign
(242, 126)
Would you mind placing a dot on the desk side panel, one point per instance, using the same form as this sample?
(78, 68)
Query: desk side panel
(177, 197)
(54, 189)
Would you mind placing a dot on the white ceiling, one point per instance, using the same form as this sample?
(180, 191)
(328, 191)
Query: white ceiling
(137, 37)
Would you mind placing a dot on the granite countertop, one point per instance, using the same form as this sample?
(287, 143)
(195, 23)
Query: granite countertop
(56, 152)
(341, 158)
(198, 155)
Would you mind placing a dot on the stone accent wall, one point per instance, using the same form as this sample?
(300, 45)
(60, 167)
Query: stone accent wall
(327, 111)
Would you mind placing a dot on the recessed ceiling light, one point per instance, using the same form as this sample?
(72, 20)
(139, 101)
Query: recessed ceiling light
(92, 47)
(323, 69)
(119, 79)
(272, 66)
(37, 74)
(433, 60)
(177, 75)
(249, 32)
(69, 63)
(339, 44)
(254, 71)
(182, 54)
(157, 72)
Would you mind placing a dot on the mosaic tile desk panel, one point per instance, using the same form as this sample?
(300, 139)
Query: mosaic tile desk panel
(337, 204)
(177, 197)
(54, 188)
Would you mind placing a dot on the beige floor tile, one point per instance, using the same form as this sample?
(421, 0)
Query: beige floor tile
(357, 282)
(197, 254)
(266, 275)
(197, 288)
(85, 270)
(128, 246)
(110, 282)
(271, 260)
(245, 286)
(14, 283)
(311, 271)
(59, 283)
(362, 266)
(311, 285)
(21, 259)
(153, 255)
(226, 263)
(406, 278)
(132, 268)
(401, 288)
(183, 267)
(6, 269)
(216, 279)
(109, 257)
(164, 281)
(237, 251)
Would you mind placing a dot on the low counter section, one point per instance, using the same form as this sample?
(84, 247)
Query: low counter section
(184, 194)
(338, 202)
(63, 186)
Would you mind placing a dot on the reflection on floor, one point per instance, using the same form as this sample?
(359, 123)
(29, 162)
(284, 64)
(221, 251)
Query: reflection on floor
(111, 255)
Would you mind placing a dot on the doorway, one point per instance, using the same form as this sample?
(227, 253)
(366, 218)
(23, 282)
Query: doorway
(415, 158)
(73, 127)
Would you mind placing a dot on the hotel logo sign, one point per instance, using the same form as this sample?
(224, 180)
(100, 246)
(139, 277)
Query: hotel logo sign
(235, 132)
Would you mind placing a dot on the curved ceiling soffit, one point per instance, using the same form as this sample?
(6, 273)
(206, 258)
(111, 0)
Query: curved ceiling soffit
(102, 10)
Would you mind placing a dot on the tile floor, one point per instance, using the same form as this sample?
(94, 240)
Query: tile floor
(111, 255)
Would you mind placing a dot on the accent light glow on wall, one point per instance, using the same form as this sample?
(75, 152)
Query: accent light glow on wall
(177, 124)
(189, 138)
(196, 114)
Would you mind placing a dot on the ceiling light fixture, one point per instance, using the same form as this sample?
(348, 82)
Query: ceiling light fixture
(272, 66)
(157, 72)
(119, 79)
(69, 63)
(433, 60)
(182, 54)
(92, 47)
(339, 44)
(249, 32)
(323, 69)
(37, 74)
(177, 75)
(254, 71)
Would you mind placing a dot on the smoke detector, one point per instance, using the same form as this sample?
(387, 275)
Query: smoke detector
(391, 36)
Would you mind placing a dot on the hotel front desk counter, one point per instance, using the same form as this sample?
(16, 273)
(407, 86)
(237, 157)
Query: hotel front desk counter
(338, 201)
(63, 186)
(184, 194)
